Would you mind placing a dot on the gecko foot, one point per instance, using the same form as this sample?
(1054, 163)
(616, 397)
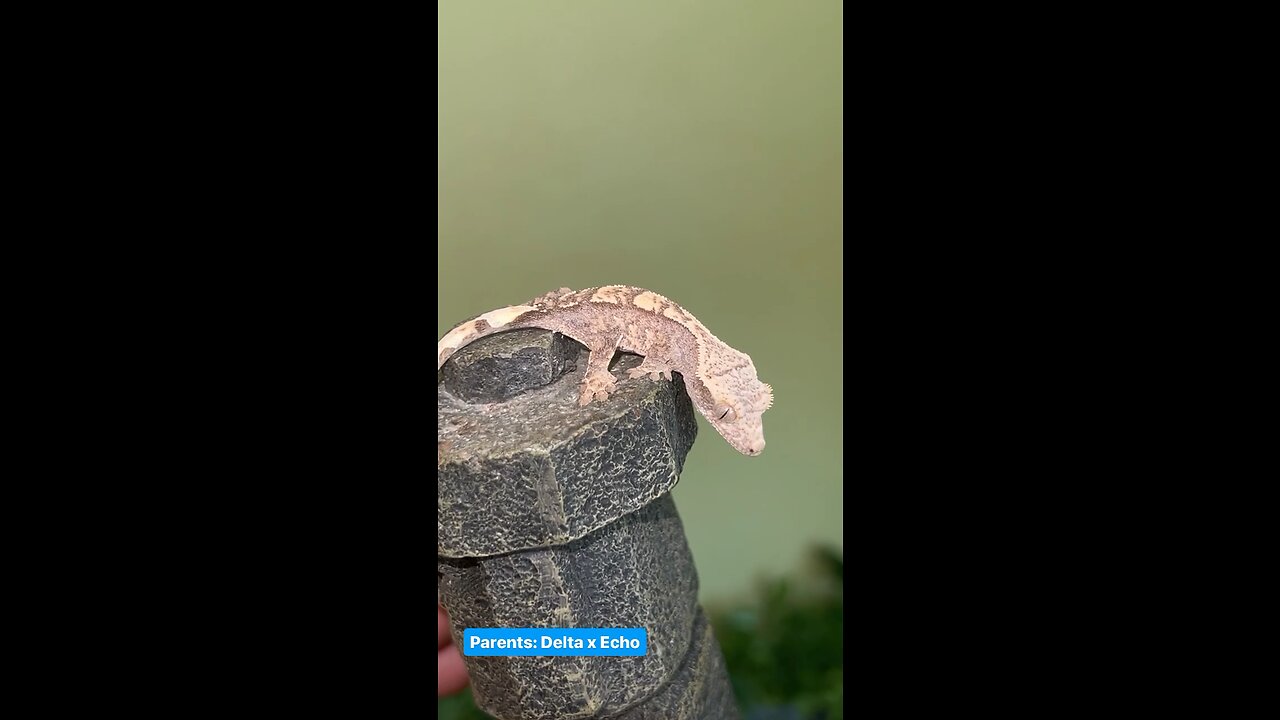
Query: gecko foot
(596, 386)
(655, 371)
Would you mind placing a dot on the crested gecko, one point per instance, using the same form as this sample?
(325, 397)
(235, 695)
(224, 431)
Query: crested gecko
(722, 382)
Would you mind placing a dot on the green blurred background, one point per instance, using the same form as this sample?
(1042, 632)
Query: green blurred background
(693, 148)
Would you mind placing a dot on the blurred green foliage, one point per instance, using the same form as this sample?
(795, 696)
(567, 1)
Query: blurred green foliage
(460, 707)
(784, 648)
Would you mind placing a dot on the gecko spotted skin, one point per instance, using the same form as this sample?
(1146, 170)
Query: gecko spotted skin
(721, 381)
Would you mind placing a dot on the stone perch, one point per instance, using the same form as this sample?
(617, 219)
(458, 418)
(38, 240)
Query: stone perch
(554, 515)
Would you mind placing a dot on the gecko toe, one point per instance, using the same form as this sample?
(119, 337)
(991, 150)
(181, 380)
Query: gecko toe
(653, 373)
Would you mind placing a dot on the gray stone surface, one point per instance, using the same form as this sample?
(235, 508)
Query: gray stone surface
(537, 470)
(505, 365)
(553, 515)
(700, 689)
(636, 572)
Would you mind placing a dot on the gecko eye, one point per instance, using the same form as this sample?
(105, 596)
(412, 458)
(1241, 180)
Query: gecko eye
(726, 412)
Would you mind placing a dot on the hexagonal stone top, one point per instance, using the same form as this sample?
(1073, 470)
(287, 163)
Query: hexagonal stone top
(521, 465)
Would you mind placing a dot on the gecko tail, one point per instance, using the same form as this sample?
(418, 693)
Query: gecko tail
(472, 330)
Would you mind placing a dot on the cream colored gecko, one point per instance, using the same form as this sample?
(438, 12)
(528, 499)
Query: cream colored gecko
(721, 381)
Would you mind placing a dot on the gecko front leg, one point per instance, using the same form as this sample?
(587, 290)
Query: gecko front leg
(655, 369)
(654, 347)
(598, 382)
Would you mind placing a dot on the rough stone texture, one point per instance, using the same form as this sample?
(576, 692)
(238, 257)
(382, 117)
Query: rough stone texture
(537, 470)
(700, 688)
(552, 515)
(636, 572)
(507, 364)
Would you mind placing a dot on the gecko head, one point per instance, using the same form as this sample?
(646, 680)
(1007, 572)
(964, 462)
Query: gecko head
(738, 400)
